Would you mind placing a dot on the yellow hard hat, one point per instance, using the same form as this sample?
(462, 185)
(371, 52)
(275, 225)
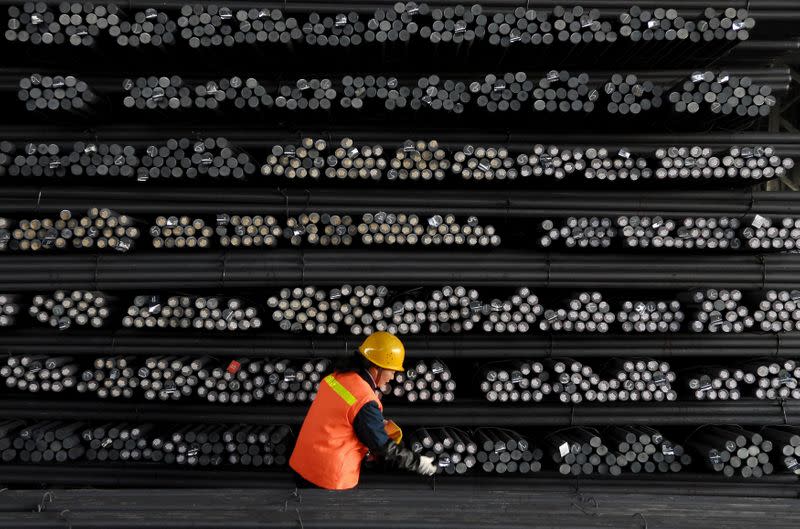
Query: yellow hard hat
(384, 350)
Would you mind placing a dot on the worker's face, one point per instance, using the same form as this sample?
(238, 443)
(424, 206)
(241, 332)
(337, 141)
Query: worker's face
(384, 377)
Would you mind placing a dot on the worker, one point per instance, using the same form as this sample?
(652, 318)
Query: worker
(345, 422)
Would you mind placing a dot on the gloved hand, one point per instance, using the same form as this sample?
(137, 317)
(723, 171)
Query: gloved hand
(426, 466)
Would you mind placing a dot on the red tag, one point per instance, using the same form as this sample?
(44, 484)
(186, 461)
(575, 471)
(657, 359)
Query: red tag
(234, 367)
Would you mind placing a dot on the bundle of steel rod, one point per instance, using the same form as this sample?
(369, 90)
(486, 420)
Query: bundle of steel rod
(419, 159)
(506, 452)
(628, 95)
(286, 380)
(506, 92)
(587, 313)
(77, 24)
(723, 93)
(238, 382)
(193, 445)
(117, 441)
(257, 26)
(43, 92)
(454, 24)
(211, 93)
(732, 450)
(41, 442)
(603, 165)
(247, 230)
(521, 26)
(778, 311)
(109, 377)
(651, 316)
(156, 92)
(309, 94)
(320, 311)
(185, 312)
(718, 311)
(564, 92)
(181, 232)
(99, 228)
(408, 229)
(515, 381)
(755, 163)
(395, 23)
(40, 159)
(719, 383)
(666, 24)
(574, 382)
(184, 157)
(356, 90)
(786, 446)
(646, 449)
(312, 159)
(484, 163)
(103, 159)
(207, 26)
(9, 308)
(342, 29)
(763, 235)
(37, 373)
(64, 309)
(551, 161)
(688, 232)
(424, 381)
(204, 445)
(320, 229)
(774, 380)
(148, 27)
(437, 94)
(454, 451)
(578, 25)
(7, 150)
(167, 378)
(579, 451)
(581, 232)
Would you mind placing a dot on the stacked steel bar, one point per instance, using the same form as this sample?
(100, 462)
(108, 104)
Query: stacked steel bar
(320, 229)
(651, 316)
(43, 92)
(184, 157)
(696, 162)
(110, 376)
(41, 442)
(718, 311)
(786, 447)
(779, 311)
(587, 313)
(180, 232)
(504, 451)
(733, 450)
(184, 312)
(9, 308)
(578, 451)
(581, 232)
(723, 93)
(646, 449)
(36, 373)
(247, 230)
(424, 381)
(64, 309)
(454, 451)
(408, 229)
(100, 228)
(762, 234)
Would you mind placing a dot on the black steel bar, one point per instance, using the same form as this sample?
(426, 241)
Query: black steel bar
(462, 413)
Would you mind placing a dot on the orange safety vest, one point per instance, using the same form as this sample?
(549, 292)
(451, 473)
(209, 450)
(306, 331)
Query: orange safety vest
(328, 453)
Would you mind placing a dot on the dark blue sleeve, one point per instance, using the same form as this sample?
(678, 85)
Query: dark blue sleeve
(368, 425)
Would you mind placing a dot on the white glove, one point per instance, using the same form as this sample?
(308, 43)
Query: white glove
(426, 466)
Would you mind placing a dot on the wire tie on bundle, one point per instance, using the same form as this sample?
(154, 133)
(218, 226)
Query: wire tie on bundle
(644, 520)
(586, 504)
(47, 497)
(63, 516)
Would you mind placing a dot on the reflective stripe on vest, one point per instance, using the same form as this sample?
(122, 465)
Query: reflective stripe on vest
(340, 390)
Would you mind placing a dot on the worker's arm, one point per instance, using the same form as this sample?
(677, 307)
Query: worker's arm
(368, 425)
